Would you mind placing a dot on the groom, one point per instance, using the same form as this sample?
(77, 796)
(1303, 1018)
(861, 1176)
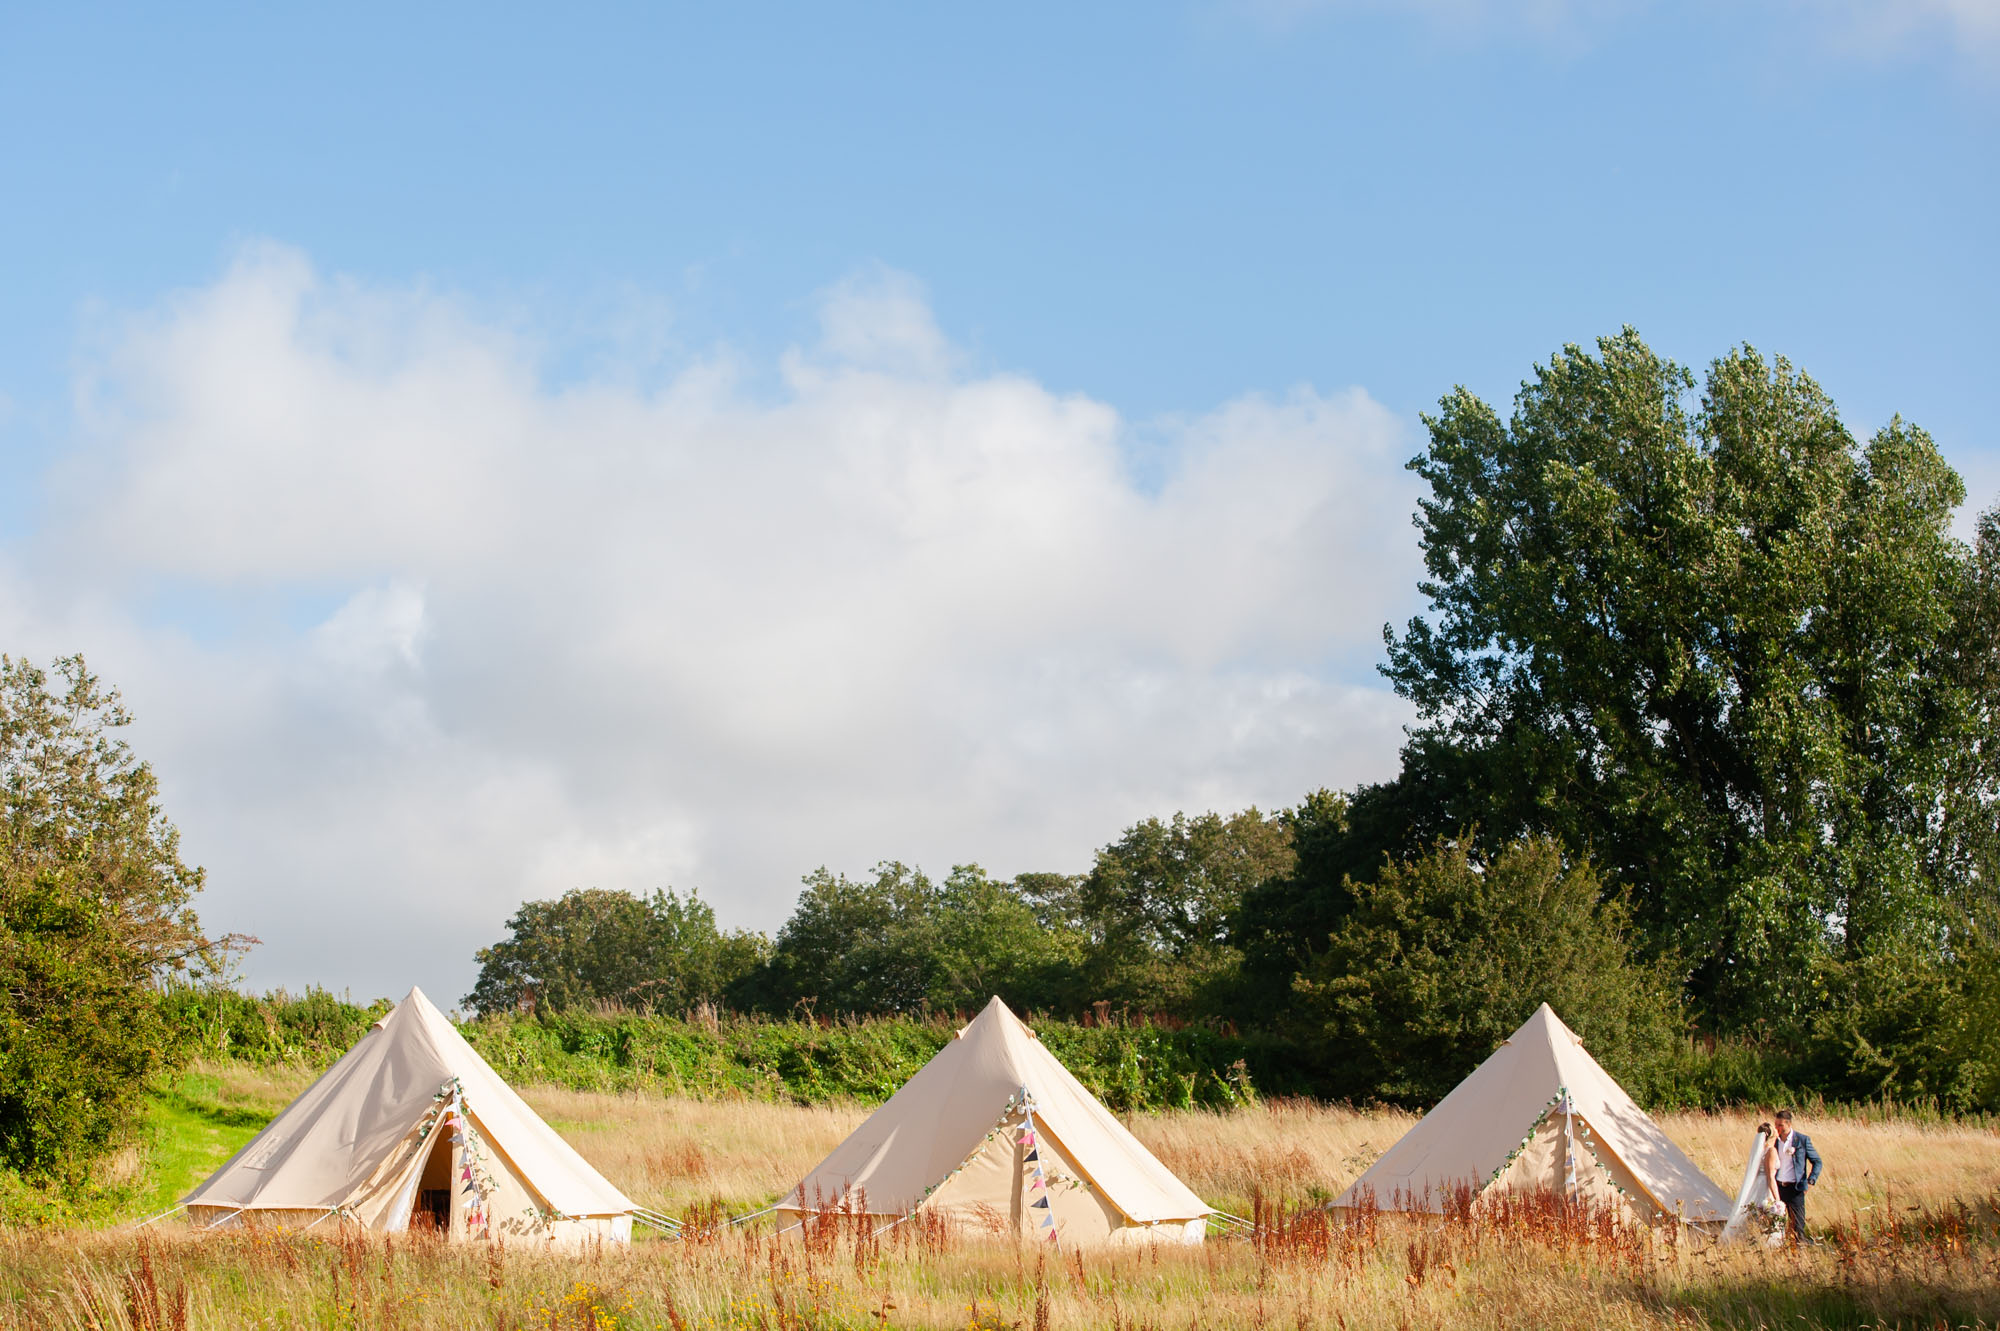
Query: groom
(1795, 1154)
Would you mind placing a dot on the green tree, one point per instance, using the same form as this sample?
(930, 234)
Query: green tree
(1338, 840)
(1158, 904)
(662, 953)
(1443, 957)
(846, 947)
(94, 913)
(899, 942)
(1717, 643)
(992, 940)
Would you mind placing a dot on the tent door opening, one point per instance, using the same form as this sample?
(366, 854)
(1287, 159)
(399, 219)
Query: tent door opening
(432, 1211)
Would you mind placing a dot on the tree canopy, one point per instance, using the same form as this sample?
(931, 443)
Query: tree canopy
(900, 942)
(661, 953)
(1717, 643)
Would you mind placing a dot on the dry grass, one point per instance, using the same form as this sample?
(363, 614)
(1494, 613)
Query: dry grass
(1534, 1264)
(1291, 1151)
(670, 1154)
(1909, 1211)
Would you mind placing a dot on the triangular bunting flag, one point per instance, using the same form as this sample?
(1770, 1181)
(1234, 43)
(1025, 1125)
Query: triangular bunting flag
(1033, 1154)
(1040, 1201)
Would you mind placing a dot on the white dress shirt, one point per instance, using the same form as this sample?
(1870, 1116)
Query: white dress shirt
(1788, 1160)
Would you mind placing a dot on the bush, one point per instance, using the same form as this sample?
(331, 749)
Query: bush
(79, 1034)
(1913, 1021)
(1442, 958)
(314, 1028)
(1129, 1065)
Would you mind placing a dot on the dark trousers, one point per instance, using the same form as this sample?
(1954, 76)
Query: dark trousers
(1793, 1195)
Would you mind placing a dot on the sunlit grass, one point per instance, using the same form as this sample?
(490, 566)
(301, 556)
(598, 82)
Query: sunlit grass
(1534, 1264)
(1907, 1210)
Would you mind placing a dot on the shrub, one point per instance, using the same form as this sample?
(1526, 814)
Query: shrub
(1444, 956)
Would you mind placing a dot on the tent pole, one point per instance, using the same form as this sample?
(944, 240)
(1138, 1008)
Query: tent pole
(1569, 1146)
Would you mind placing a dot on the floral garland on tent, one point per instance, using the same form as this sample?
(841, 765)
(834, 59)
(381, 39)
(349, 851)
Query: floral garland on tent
(1582, 1130)
(1000, 1125)
(475, 1183)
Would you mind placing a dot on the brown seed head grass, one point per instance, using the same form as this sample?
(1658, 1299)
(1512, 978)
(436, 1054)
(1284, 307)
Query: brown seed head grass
(1909, 1213)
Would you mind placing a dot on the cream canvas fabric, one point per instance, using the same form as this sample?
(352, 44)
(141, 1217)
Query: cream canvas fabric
(1541, 1114)
(409, 1113)
(995, 1133)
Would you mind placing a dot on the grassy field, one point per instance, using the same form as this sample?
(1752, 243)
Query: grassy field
(1907, 1212)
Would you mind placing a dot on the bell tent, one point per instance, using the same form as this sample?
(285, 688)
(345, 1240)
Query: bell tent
(1541, 1115)
(411, 1127)
(996, 1134)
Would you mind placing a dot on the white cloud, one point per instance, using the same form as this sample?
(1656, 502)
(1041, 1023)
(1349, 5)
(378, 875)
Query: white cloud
(681, 634)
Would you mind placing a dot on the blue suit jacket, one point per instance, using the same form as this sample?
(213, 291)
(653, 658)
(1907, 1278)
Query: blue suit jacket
(1802, 1149)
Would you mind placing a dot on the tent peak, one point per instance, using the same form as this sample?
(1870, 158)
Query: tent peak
(987, 1013)
(1544, 1022)
(416, 1001)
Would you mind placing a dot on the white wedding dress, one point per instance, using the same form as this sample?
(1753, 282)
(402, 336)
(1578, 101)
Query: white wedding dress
(1755, 1206)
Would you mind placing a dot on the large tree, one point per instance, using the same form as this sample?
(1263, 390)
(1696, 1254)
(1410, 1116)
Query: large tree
(594, 945)
(900, 942)
(1719, 644)
(94, 912)
(1158, 904)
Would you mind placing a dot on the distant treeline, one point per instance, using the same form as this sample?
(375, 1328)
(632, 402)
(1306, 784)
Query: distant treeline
(1130, 1065)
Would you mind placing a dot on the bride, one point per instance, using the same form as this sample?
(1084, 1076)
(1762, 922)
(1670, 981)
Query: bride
(1757, 1209)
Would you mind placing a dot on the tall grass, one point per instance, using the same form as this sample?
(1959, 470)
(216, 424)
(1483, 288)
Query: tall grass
(1907, 1212)
(1531, 1263)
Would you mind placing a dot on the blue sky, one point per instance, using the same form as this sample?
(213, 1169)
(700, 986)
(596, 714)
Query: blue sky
(1161, 205)
(1133, 228)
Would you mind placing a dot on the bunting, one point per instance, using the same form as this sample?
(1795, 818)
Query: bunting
(472, 1188)
(1031, 1156)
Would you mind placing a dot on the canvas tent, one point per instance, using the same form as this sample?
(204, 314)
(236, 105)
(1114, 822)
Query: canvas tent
(412, 1127)
(996, 1134)
(1541, 1114)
